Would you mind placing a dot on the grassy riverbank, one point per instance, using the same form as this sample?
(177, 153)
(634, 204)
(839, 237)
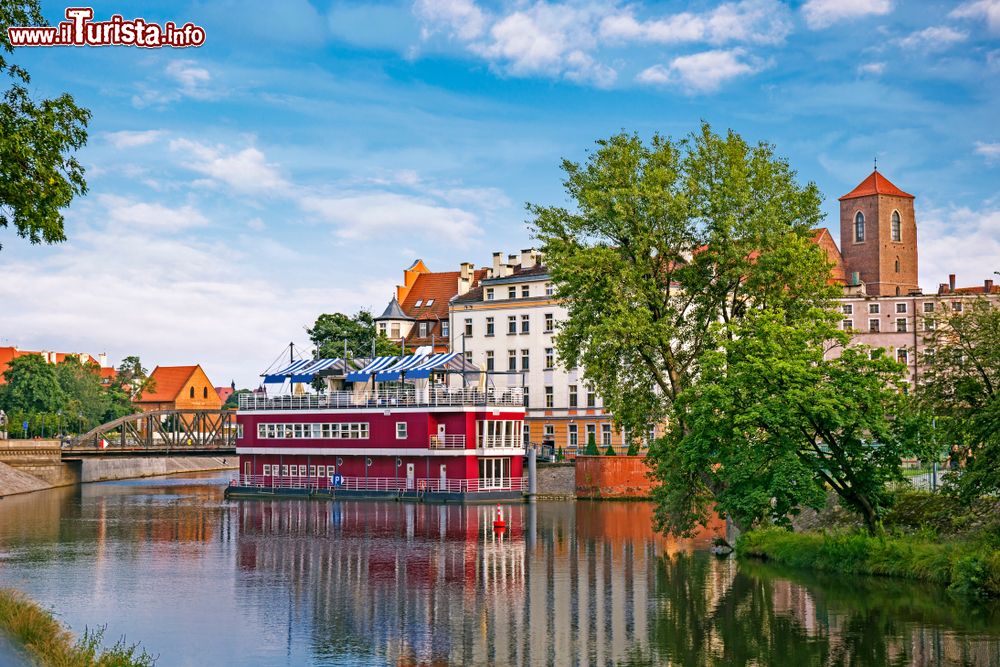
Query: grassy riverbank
(48, 642)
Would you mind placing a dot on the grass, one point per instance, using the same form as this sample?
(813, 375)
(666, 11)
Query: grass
(51, 644)
(966, 566)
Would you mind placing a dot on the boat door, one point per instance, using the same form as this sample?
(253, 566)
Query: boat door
(410, 475)
(441, 434)
(444, 477)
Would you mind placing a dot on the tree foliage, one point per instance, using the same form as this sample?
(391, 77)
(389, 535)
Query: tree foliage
(331, 330)
(39, 176)
(960, 387)
(32, 385)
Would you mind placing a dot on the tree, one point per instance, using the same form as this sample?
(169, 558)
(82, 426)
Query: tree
(667, 239)
(777, 423)
(592, 449)
(81, 385)
(233, 401)
(331, 330)
(960, 387)
(38, 174)
(32, 386)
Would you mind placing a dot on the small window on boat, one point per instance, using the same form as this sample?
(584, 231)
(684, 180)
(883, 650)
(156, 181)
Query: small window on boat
(400, 430)
(267, 469)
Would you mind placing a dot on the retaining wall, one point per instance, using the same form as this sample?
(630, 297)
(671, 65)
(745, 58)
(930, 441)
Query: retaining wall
(556, 481)
(613, 477)
(102, 470)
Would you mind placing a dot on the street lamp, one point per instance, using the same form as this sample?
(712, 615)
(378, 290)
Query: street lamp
(59, 422)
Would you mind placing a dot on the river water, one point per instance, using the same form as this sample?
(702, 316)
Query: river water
(204, 581)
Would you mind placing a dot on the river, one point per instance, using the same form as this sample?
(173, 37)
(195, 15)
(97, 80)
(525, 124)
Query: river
(204, 581)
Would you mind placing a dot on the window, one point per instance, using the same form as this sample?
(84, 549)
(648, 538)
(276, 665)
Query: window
(267, 469)
(591, 433)
(511, 324)
(468, 326)
(859, 227)
(494, 473)
(511, 292)
(898, 290)
(873, 308)
(312, 471)
(284, 471)
(847, 325)
(874, 326)
(928, 306)
(468, 356)
(848, 309)
(548, 433)
(321, 471)
(550, 323)
(897, 270)
(956, 306)
(525, 323)
(900, 307)
(549, 290)
(550, 357)
(548, 397)
(526, 434)
(525, 356)
(572, 436)
(419, 303)
(191, 393)
(897, 230)
(423, 329)
(430, 302)
(524, 394)
(525, 291)
(901, 356)
(901, 324)
(489, 293)
(239, 431)
(930, 324)
(400, 430)
(591, 398)
(395, 330)
(572, 396)
(489, 360)
(489, 326)
(204, 392)
(444, 328)
(512, 360)
(605, 434)
(381, 328)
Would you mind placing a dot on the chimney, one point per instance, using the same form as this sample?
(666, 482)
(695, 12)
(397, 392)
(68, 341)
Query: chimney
(463, 285)
(468, 268)
(512, 259)
(527, 258)
(497, 259)
(942, 288)
(987, 286)
(951, 282)
(102, 359)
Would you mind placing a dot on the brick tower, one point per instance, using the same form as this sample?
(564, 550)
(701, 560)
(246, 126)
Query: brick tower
(878, 237)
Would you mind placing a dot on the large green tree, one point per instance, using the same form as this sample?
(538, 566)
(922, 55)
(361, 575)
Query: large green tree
(960, 388)
(39, 176)
(332, 329)
(32, 385)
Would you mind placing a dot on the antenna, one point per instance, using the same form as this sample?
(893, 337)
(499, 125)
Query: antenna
(876, 163)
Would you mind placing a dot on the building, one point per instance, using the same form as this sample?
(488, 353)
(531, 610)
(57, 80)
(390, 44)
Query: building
(178, 388)
(8, 354)
(417, 316)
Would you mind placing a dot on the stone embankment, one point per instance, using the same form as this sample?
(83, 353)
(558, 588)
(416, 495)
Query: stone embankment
(556, 481)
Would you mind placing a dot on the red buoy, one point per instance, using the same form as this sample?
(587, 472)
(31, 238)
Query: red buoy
(499, 524)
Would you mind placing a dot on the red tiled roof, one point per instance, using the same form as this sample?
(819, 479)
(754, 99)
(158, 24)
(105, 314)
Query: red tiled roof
(979, 289)
(875, 184)
(224, 393)
(169, 382)
(441, 287)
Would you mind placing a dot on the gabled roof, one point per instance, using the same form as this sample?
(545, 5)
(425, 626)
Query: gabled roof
(169, 382)
(437, 288)
(875, 184)
(393, 312)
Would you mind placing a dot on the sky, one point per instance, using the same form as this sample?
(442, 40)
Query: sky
(308, 152)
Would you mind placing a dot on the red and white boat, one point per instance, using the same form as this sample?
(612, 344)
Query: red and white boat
(411, 426)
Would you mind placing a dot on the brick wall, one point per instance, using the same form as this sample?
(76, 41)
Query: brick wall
(613, 477)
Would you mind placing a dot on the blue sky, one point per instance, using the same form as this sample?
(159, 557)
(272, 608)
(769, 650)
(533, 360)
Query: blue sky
(308, 152)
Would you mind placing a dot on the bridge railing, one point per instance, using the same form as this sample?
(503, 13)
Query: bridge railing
(163, 430)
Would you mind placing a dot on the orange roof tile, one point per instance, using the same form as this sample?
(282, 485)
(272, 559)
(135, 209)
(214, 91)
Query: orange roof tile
(875, 184)
(169, 382)
(439, 287)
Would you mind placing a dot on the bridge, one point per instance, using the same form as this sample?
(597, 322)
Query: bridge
(159, 433)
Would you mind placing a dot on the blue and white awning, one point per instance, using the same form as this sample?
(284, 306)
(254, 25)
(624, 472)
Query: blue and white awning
(374, 366)
(433, 362)
(402, 366)
(303, 370)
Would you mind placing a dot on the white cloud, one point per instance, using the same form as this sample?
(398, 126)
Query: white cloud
(984, 9)
(753, 21)
(959, 240)
(129, 214)
(824, 13)
(934, 38)
(989, 150)
(244, 170)
(460, 18)
(189, 80)
(391, 215)
(700, 72)
(874, 69)
(133, 138)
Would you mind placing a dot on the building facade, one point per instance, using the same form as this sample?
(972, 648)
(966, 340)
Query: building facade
(178, 388)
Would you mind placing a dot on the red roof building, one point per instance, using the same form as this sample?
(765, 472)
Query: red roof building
(876, 184)
(178, 388)
(8, 354)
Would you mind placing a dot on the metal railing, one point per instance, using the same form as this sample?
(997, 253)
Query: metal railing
(498, 442)
(386, 398)
(447, 442)
(381, 484)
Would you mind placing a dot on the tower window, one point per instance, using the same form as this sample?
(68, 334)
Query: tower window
(859, 227)
(897, 231)
(897, 265)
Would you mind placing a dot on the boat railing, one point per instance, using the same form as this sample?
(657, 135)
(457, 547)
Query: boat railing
(499, 442)
(447, 441)
(380, 484)
(387, 398)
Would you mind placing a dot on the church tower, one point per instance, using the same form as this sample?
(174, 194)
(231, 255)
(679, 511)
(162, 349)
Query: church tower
(878, 237)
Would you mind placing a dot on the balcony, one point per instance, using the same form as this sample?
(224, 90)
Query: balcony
(447, 442)
(382, 484)
(403, 397)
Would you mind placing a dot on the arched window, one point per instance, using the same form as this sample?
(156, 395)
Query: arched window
(204, 391)
(859, 227)
(897, 230)
(897, 265)
(192, 392)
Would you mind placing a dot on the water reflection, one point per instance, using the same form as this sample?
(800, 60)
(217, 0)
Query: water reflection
(205, 581)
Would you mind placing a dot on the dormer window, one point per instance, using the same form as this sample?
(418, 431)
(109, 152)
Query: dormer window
(430, 302)
(489, 293)
(897, 228)
(511, 292)
(859, 227)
